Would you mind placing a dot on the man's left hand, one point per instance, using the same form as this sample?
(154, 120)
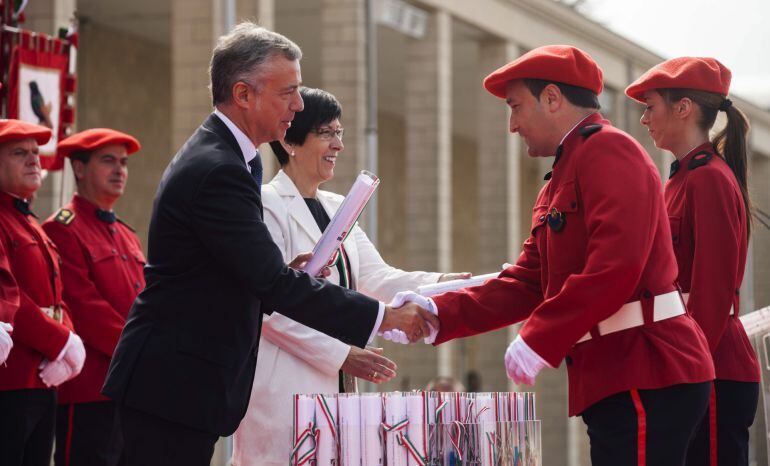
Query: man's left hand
(522, 363)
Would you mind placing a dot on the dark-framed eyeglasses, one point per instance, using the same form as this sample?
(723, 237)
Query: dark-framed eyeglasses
(327, 133)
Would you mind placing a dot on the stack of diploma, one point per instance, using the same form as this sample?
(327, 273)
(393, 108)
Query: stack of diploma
(416, 429)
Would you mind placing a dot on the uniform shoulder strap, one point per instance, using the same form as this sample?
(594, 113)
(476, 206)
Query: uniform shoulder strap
(65, 216)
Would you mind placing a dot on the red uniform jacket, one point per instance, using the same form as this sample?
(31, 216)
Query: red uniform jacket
(612, 247)
(32, 259)
(708, 228)
(102, 271)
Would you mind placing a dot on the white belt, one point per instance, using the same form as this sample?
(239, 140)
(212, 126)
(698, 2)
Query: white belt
(630, 315)
(686, 297)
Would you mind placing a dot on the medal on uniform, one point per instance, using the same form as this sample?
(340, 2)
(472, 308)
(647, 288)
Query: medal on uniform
(556, 220)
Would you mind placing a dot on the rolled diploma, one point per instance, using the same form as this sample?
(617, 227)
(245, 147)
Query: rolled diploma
(454, 285)
(371, 430)
(395, 412)
(417, 431)
(350, 430)
(326, 420)
(342, 222)
(486, 420)
(304, 417)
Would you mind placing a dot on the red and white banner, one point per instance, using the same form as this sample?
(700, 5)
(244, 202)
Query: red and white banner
(38, 87)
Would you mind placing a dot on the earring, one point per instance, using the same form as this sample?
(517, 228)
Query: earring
(292, 153)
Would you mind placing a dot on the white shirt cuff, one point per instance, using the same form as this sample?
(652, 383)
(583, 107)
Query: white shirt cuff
(378, 322)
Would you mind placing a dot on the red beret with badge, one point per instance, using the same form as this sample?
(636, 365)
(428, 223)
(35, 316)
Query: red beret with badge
(559, 63)
(14, 130)
(699, 73)
(92, 139)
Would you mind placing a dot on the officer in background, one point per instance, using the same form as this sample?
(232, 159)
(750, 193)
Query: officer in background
(46, 352)
(102, 269)
(596, 279)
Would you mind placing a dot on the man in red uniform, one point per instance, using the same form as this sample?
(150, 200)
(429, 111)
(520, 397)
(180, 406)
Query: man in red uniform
(596, 277)
(102, 270)
(46, 352)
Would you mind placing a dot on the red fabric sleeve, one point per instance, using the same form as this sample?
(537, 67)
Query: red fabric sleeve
(35, 329)
(9, 289)
(718, 229)
(508, 299)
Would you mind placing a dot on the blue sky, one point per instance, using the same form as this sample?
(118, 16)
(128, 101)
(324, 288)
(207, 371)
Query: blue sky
(735, 32)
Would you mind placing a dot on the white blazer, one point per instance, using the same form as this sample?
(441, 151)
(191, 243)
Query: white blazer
(294, 358)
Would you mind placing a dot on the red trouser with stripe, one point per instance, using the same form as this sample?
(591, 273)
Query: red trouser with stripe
(722, 438)
(646, 427)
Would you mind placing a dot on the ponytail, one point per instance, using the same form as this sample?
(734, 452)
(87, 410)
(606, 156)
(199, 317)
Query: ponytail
(730, 143)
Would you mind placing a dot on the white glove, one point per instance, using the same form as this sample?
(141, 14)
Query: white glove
(74, 354)
(401, 298)
(55, 373)
(522, 363)
(6, 343)
(67, 366)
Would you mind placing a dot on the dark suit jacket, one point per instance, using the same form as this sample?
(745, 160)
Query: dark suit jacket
(189, 348)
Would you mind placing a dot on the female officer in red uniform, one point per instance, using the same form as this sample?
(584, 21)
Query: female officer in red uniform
(709, 210)
(102, 264)
(42, 331)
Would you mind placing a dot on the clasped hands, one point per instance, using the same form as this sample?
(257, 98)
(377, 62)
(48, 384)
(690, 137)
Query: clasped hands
(67, 366)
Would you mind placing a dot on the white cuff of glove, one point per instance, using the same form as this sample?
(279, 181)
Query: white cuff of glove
(73, 354)
(6, 342)
(522, 363)
(401, 298)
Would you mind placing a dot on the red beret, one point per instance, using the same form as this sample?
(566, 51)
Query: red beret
(92, 139)
(700, 73)
(559, 63)
(13, 130)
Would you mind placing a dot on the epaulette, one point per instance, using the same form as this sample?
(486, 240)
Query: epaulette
(700, 159)
(126, 225)
(587, 131)
(65, 216)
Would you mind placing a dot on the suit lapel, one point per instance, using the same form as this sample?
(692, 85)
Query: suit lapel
(296, 206)
(218, 127)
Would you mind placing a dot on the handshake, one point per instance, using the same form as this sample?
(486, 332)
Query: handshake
(410, 317)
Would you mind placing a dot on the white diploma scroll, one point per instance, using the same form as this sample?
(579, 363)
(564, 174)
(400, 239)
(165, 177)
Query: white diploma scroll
(305, 433)
(485, 416)
(326, 420)
(454, 285)
(371, 429)
(417, 431)
(342, 222)
(349, 407)
(395, 426)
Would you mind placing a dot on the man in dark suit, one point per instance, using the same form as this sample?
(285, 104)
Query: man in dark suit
(183, 368)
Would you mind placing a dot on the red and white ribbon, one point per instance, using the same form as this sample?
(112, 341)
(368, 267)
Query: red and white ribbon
(310, 433)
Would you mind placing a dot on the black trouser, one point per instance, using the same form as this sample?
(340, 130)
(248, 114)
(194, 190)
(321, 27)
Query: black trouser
(88, 434)
(646, 427)
(27, 420)
(736, 405)
(152, 441)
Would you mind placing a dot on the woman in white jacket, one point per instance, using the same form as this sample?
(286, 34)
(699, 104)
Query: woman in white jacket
(294, 358)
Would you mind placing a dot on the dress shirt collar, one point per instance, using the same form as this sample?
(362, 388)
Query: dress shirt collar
(573, 128)
(248, 149)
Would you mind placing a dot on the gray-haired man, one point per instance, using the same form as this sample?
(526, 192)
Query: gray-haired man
(183, 369)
